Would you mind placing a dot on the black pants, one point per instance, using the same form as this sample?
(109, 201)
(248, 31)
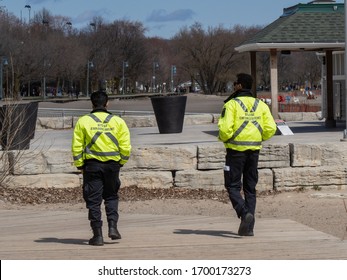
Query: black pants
(101, 183)
(241, 173)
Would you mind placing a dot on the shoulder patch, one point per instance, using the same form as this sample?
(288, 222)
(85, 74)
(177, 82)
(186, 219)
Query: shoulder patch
(223, 113)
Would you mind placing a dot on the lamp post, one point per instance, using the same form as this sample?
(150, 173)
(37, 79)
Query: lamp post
(89, 65)
(3, 62)
(44, 85)
(155, 66)
(45, 23)
(29, 9)
(45, 65)
(125, 64)
(173, 73)
(93, 25)
(69, 24)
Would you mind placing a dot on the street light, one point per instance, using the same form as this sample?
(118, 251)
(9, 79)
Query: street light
(173, 73)
(155, 66)
(93, 24)
(125, 64)
(45, 22)
(45, 65)
(89, 65)
(69, 24)
(29, 9)
(3, 62)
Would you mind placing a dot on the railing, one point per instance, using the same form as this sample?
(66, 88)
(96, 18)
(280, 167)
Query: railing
(63, 112)
(289, 107)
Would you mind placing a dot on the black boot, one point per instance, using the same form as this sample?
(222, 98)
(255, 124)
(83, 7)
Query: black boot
(113, 232)
(246, 221)
(97, 239)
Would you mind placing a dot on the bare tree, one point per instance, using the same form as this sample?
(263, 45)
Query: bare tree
(158, 65)
(209, 57)
(50, 49)
(128, 45)
(306, 68)
(111, 45)
(263, 70)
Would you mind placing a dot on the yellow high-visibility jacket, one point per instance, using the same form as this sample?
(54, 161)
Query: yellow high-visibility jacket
(244, 123)
(101, 136)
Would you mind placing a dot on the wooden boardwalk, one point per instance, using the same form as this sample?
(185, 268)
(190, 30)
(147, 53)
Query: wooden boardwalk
(63, 235)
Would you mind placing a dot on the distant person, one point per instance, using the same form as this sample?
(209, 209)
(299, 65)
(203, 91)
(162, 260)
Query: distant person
(100, 147)
(244, 123)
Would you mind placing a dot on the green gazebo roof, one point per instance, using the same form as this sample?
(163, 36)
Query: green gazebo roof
(314, 26)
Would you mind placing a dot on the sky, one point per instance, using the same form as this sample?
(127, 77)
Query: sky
(161, 18)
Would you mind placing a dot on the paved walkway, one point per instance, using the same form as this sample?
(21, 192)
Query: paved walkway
(304, 132)
(55, 235)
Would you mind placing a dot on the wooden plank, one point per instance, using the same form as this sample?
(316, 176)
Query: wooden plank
(30, 234)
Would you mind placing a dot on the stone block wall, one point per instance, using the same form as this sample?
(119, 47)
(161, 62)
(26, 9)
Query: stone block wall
(281, 167)
(66, 122)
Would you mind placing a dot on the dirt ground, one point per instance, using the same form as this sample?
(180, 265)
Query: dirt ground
(325, 211)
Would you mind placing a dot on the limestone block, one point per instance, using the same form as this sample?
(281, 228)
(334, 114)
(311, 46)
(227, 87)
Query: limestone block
(319, 154)
(43, 162)
(334, 154)
(200, 179)
(54, 123)
(312, 116)
(300, 116)
(214, 179)
(44, 181)
(198, 119)
(215, 118)
(4, 162)
(28, 162)
(287, 116)
(59, 161)
(140, 121)
(271, 156)
(310, 177)
(160, 157)
(147, 179)
(306, 155)
(74, 121)
(211, 156)
(274, 156)
(265, 181)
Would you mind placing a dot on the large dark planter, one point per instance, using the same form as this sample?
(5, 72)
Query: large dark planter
(169, 112)
(17, 125)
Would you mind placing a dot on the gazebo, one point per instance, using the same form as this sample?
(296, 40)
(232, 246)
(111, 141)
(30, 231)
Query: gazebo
(316, 26)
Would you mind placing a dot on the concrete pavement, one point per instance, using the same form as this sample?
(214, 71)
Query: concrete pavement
(304, 132)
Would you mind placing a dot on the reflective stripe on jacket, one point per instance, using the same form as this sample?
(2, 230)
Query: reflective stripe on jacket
(101, 136)
(244, 123)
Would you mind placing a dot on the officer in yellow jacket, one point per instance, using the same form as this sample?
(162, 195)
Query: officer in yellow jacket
(100, 147)
(244, 123)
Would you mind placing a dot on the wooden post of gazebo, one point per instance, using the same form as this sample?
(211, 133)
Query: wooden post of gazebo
(274, 83)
